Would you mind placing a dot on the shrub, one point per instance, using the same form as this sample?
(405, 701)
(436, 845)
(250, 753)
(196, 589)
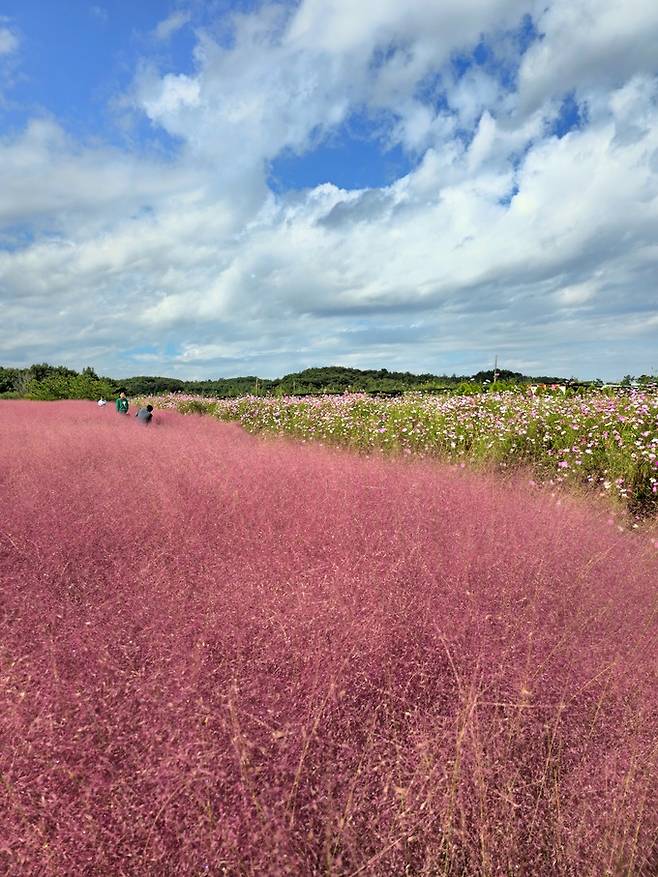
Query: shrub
(56, 386)
(196, 406)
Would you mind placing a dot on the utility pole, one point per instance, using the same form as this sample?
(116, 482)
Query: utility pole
(495, 377)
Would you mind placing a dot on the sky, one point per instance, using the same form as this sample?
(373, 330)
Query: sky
(211, 188)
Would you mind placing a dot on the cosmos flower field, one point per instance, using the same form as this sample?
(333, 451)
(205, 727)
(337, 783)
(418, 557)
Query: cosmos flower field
(604, 444)
(232, 655)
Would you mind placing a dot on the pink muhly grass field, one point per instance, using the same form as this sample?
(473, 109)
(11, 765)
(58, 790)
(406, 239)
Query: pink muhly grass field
(230, 656)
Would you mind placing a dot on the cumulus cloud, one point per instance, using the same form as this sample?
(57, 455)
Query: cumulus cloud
(79, 188)
(589, 44)
(503, 237)
(172, 96)
(285, 80)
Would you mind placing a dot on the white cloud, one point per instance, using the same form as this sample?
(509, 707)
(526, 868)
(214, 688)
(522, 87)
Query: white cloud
(579, 294)
(503, 237)
(341, 26)
(8, 41)
(173, 94)
(286, 81)
(588, 44)
(98, 186)
(168, 27)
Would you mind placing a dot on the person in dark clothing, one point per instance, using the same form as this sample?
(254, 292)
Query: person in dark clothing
(122, 403)
(145, 415)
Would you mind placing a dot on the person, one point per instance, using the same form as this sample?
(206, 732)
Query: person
(101, 402)
(122, 403)
(145, 415)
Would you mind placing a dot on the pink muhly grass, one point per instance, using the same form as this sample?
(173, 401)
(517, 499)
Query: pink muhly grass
(222, 655)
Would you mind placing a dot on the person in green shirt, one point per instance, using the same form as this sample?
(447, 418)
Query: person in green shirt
(122, 403)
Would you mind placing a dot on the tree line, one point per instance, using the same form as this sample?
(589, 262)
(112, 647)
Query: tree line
(49, 382)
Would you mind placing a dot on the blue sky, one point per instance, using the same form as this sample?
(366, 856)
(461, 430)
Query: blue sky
(215, 188)
(77, 56)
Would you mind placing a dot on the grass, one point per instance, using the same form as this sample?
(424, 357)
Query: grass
(228, 656)
(605, 444)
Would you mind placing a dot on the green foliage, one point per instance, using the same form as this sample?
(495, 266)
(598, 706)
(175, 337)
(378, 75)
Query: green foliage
(8, 380)
(225, 388)
(508, 384)
(69, 386)
(147, 385)
(338, 379)
(45, 381)
(48, 388)
(196, 406)
(467, 388)
(502, 374)
(49, 382)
